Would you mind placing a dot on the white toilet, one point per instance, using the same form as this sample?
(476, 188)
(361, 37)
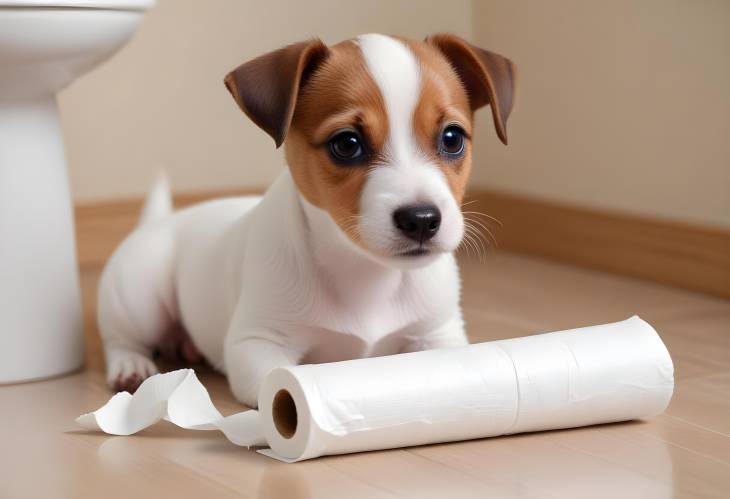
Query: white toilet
(44, 45)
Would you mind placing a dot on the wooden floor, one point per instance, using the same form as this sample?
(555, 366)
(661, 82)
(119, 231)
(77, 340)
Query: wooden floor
(683, 453)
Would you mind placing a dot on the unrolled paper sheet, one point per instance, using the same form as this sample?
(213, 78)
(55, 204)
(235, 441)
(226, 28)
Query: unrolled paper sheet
(592, 375)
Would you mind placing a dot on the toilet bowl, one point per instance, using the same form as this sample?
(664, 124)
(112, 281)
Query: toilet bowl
(44, 46)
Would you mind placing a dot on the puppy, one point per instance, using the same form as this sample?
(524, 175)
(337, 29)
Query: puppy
(349, 252)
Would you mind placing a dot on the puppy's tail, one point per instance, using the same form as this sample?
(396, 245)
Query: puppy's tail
(158, 204)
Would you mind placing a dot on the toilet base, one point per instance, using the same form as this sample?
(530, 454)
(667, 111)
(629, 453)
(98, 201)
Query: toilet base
(41, 322)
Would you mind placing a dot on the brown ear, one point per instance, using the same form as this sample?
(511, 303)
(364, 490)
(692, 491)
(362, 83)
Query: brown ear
(488, 78)
(267, 87)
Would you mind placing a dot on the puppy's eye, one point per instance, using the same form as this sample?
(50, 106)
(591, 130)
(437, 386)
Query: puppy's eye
(347, 147)
(452, 141)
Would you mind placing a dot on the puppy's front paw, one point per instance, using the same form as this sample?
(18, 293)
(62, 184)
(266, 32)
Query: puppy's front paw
(127, 371)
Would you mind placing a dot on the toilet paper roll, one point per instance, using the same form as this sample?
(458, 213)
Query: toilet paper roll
(599, 374)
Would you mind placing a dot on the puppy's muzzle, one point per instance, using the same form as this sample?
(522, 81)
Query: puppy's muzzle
(418, 223)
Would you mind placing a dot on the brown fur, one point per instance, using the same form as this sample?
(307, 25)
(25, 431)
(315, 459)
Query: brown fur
(489, 78)
(341, 87)
(266, 88)
(317, 91)
(443, 101)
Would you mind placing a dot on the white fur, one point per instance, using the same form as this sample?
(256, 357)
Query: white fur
(158, 203)
(263, 282)
(407, 177)
(398, 76)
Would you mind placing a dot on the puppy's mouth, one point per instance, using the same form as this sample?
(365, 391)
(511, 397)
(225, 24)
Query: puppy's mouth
(416, 252)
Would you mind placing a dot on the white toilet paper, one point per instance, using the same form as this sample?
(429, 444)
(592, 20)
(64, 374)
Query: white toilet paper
(599, 374)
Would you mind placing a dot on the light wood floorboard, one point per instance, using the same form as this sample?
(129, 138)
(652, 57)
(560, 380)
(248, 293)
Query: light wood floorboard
(683, 453)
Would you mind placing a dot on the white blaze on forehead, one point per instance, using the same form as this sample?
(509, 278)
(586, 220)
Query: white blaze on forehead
(407, 177)
(397, 73)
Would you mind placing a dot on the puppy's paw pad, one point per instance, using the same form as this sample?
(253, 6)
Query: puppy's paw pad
(128, 384)
(127, 372)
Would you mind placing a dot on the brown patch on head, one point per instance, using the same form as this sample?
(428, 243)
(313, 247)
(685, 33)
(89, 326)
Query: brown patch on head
(306, 93)
(340, 94)
(443, 102)
(488, 78)
(267, 88)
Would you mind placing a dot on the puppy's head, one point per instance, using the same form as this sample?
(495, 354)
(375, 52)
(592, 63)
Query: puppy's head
(377, 132)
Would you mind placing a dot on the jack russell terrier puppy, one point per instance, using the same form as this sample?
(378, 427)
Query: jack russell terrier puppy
(350, 252)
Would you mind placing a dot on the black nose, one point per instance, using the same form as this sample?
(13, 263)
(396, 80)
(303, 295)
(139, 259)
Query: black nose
(419, 223)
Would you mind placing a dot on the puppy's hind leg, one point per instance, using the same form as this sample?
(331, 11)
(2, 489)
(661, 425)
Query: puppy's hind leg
(137, 307)
(136, 300)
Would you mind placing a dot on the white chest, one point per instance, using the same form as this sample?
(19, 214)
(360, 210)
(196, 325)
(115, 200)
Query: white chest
(359, 315)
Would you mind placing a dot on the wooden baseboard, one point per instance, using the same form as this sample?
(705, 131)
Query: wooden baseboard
(681, 255)
(670, 253)
(101, 226)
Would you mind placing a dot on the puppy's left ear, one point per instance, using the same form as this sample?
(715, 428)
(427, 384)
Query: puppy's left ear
(266, 88)
(488, 78)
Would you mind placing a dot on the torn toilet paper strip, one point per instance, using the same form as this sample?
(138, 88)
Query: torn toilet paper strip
(598, 374)
(178, 397)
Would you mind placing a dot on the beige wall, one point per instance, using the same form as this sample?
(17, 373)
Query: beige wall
(623, 105)
(160, 102)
